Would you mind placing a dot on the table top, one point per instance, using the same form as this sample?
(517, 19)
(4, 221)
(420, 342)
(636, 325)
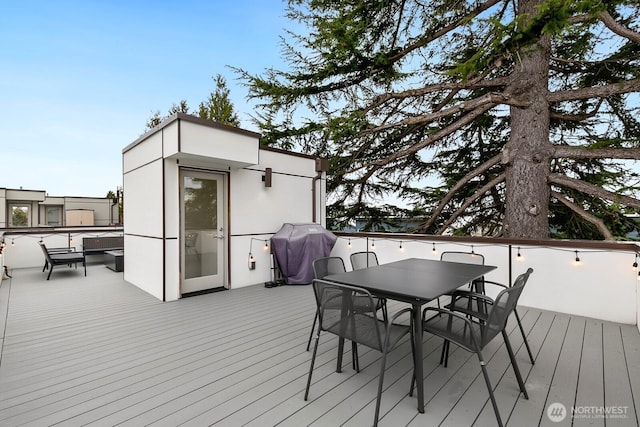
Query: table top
(117, 252)
(413, 280)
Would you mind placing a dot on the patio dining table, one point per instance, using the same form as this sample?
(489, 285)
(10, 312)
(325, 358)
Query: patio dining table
(415, 281)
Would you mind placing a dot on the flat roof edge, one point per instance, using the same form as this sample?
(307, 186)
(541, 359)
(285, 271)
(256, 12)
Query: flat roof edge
(192, 119)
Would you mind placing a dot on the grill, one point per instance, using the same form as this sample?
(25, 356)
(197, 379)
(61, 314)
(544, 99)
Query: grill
(294, 248)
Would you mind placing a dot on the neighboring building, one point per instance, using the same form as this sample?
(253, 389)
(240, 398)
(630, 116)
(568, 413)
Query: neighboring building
(202, 198)
(21, 208)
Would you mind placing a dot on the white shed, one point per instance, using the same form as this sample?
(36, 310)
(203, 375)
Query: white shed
(201, 197)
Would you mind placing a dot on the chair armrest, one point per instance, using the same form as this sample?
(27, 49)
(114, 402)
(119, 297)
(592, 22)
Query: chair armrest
(467, 296)
(491, 282)
(400, 313)
(61, 250)
(444, 311)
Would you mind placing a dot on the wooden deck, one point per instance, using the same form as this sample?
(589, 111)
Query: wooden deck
(97, 351)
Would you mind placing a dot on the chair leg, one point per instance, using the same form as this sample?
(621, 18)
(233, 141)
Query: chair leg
(50, 271)
(444, 355)
(380, 383)
(490, 388)
(385, 313)
(313, 359)
(355, 363)
(524, 337)
(313, 328)
(514, 363)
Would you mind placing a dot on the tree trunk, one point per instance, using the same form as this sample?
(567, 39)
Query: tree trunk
(527, 154)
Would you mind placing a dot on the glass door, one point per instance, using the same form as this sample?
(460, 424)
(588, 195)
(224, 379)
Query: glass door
(203, 235)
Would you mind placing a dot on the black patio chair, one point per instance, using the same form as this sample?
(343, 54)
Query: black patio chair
(339, 315)
(473, 334)
(62, 258)
(467, 258)
(360, 260)
(323, 267)
(473, 306)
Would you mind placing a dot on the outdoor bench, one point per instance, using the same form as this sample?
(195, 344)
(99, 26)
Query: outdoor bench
(99, 245)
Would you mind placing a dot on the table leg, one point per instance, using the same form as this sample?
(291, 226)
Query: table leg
(417, 334)
(340, 350)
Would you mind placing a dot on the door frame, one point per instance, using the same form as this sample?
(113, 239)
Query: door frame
(224, 261)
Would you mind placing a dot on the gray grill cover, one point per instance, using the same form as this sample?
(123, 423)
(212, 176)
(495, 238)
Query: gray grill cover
(295, 246)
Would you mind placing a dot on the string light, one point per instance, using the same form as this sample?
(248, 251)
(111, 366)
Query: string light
(635, 264)
(349, 244)
(577, 258)
(266, 245)
(373, 244)
(472, 251)
(519, 256)
(252, 262)
(13, 242)
(401, 248)
(434, 248)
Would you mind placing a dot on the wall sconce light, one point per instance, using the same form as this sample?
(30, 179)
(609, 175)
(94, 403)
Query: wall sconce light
(267, 177)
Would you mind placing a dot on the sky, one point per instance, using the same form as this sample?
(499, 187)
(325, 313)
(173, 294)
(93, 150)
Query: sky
(79, 79)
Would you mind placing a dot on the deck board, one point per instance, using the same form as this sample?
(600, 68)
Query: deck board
(98, 351)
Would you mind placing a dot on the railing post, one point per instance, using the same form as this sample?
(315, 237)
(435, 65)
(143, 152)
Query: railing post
(510, 266)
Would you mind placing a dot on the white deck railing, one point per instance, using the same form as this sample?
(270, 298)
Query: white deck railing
(604, 284)
(22, 249)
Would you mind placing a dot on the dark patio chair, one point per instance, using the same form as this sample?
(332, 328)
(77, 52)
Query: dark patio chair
(339, 315)
(360, 260)
(323, 267)
(473, 306)
(473, 335)
(62, 258)
(467, 258)
(61, 250)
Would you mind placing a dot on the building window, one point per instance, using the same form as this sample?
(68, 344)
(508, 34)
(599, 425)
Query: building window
(54, 215)
(19, 215)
